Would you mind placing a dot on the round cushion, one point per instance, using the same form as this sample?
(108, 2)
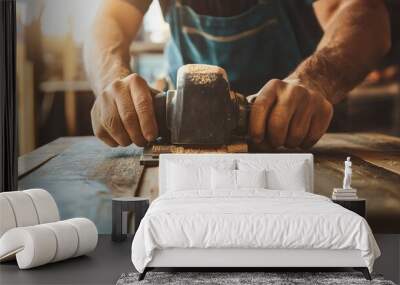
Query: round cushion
(7, 220)
(87, 234)
(67, 239)
(23, 208)
(33, 246)
(40, 244)
(45, 205)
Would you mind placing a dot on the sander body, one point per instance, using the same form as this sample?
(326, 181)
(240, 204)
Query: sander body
(202, 111)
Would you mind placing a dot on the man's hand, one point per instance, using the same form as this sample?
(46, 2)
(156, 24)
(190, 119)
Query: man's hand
(285, 113)
(297, 111)
(124, 113)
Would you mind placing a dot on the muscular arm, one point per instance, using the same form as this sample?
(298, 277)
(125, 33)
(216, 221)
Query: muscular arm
(356, 37)
(106, 50)
(123, 110)
(296, 111)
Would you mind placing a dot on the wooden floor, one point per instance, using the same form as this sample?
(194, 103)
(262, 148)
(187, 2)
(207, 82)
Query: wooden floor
(83, 174)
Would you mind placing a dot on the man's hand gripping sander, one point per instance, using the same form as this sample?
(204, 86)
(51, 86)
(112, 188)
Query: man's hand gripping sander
(202, 111)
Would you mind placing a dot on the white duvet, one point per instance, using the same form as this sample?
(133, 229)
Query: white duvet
(250, 218)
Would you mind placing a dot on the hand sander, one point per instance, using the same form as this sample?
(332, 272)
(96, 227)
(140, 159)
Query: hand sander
(202, 111)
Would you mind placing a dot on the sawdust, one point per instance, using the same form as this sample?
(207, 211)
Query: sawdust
(201, 74)
(202, 78)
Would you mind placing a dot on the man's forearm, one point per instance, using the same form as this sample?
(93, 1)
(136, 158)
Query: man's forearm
(106, 54)
(356, 37)
(106, 50)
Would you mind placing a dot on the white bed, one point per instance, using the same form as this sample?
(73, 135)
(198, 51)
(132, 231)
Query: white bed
(280, 225)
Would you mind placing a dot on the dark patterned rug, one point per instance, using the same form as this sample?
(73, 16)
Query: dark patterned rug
(269, 278)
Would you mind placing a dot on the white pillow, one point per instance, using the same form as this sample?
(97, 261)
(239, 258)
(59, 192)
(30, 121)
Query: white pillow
(291, 180)
(251, 178)
(236, 179)
(181, 177)
(285, 174)
(188, 175)
(223, 179)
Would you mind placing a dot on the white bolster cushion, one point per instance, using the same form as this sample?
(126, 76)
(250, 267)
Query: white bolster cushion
(87, 234)
(66, 237)
(40, 244)
(23, 208)
(26, 208)
(7, 218)
(46, 207)
(32, 246)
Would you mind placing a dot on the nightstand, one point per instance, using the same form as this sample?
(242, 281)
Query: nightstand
(120, 209)
(357, 206)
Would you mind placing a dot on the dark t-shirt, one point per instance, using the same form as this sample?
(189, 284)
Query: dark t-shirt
(300, 14)
(216, 8)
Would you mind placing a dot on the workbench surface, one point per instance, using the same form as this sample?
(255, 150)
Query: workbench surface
(83, 175)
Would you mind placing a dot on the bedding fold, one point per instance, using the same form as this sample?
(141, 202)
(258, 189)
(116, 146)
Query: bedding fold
(252, 218)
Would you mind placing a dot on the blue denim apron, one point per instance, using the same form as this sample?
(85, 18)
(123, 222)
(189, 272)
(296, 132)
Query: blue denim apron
(252, 47)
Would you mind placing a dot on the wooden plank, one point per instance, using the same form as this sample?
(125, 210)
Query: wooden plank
(232, 148)
(69, 64)
(57, 86)
(378, 149)
(149, 185)
(26, 100)
(376, 173)
(358, 142)
(86, 176)
(392, 89)
(30, 161)
(378, 186)
(150, 154)
(140, 47)
(389, 161)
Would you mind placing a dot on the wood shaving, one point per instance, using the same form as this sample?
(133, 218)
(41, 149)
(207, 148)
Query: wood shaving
(201, 74)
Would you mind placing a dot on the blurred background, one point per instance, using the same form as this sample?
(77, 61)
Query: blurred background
(54, 97)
